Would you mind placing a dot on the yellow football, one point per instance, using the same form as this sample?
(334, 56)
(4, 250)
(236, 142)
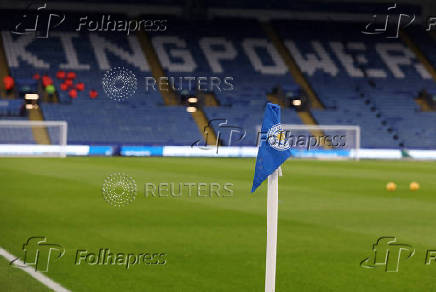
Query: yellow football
(391, 186)
(414, 186)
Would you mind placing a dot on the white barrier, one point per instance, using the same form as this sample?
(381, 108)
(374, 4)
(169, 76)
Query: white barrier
(188, 151)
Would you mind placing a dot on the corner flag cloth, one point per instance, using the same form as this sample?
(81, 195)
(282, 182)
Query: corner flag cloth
(273, 150)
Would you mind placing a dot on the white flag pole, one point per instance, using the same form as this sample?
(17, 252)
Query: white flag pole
(271, 229)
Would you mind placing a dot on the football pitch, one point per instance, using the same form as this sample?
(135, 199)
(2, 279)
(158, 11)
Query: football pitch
(330, 215)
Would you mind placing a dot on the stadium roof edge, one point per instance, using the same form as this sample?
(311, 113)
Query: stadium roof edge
(311, 11)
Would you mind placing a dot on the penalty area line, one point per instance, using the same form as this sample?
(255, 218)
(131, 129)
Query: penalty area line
(31, 271)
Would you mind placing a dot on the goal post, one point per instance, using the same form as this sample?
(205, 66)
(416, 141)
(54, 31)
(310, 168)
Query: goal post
(322, 141)
(33, 138)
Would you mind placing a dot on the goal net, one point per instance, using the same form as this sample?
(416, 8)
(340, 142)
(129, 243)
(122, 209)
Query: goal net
(33, 138)
(322, 141)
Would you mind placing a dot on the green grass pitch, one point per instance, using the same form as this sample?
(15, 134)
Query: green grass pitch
(330, 214)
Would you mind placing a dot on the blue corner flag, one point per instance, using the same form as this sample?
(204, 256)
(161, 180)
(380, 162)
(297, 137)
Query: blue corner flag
(274, 147)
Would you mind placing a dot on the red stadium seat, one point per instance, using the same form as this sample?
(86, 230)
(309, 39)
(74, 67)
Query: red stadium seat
(60, 75)
(46, 80)
(71, 75)
(73, 93)
(93, 93)
(69, 82)
(9, 82)
(80, 86)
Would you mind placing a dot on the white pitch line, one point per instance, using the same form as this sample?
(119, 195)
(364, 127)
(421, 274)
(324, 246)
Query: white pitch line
(31, 271)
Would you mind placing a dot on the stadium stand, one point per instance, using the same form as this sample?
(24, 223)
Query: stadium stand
(425, 42)
(11, 108)
(142, 119)
(371, 92)
(370, 82)
(244, 55)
